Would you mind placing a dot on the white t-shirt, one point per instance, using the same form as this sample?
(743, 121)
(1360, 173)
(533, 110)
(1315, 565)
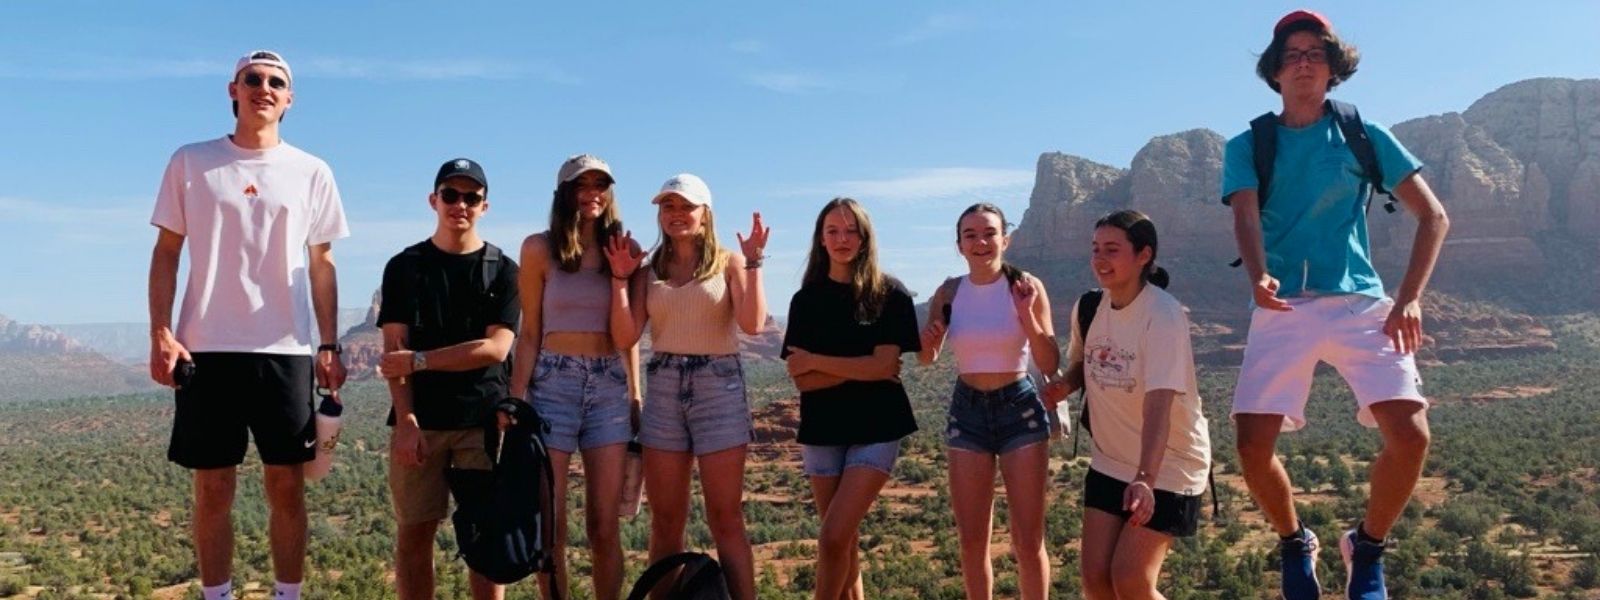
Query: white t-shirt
(248, 216)
(1142, 347)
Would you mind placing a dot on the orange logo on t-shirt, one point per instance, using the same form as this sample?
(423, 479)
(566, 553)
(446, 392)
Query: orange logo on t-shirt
(250, 191)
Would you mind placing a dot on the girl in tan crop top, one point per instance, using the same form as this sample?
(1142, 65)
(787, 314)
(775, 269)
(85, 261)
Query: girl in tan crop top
(584, 385)
(692, 295)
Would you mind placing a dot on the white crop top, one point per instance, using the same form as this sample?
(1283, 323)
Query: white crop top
(984, 332)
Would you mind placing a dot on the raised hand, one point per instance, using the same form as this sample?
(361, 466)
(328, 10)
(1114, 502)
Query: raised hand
(1023, 295)
(753, 246)
(624, 255)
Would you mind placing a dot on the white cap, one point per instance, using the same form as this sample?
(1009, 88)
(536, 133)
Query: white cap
(579, 164)
(692, 188)
(263, 57)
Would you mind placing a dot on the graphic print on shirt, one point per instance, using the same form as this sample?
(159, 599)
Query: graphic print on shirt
(250, 192)
(1110, 366)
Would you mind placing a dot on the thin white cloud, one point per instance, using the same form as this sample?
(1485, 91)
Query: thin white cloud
(789, 82)
(940, 183)
(25, 210)
(748, 46)
(934, 26)
(417, 69)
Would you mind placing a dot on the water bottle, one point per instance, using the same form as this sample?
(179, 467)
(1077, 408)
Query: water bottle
(329, 421)
(632, 480)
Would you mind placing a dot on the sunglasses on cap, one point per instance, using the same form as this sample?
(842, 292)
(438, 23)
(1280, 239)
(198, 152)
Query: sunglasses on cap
(255, 80)
(451, 196)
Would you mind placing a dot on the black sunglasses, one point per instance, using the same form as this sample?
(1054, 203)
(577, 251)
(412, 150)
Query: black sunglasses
(275, 82)
(452, 196)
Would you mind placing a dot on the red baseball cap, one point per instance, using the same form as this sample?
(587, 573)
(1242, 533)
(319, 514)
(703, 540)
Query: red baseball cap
(1302, 15)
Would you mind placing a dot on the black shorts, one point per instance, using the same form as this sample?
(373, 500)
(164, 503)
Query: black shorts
(1176, 515)
(268, 395)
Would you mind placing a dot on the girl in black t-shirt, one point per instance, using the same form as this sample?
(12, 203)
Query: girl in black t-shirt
(848, 325)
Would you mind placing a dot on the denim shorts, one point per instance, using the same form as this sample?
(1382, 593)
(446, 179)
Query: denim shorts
(584, 399)
(831, 461)
(997, 421)
(695, 403)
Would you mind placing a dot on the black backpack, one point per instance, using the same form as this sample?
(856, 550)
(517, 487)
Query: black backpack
(1264, 142)
(1088, 305)
(701, 578)
(505, 518)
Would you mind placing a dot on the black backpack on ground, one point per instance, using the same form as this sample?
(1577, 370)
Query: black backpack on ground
(1264, 144)
(504, 518)
(701, 578)
(1088, 305)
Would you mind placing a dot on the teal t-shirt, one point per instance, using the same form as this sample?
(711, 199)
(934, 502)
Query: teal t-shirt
(1314, 224)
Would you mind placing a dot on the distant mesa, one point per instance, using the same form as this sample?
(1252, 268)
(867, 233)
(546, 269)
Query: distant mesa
(42, 363)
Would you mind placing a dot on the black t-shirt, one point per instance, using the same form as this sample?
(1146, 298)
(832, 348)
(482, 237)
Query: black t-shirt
(822, 320)
(442, 298)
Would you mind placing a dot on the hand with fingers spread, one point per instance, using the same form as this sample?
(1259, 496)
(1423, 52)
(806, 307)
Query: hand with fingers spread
(165, 352)
(1265, 290)
(753, 245)
(624, 255)
(1404, 326)
(1140, 500)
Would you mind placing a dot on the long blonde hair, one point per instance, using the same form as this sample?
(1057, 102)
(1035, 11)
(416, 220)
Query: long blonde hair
(867, 283)
(712, 259)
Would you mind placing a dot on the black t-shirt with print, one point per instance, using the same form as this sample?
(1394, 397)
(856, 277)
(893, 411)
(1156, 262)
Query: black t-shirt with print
(442, 299)
(822, 320)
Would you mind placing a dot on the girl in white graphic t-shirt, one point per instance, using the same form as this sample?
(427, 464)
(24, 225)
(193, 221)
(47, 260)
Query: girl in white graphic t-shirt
(1151, 448)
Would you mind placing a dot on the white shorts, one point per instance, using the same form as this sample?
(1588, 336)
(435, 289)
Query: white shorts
(1283, 348)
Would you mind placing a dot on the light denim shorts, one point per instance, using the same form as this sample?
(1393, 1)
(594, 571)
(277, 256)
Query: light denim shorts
(695, 403)
(583, 398)
(831, 461)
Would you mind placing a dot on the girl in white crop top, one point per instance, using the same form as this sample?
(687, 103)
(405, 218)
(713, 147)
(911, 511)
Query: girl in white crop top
(997, 319)
(692, 295)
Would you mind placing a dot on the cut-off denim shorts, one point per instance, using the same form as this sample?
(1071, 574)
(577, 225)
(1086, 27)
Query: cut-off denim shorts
(695, 403)
(584, 399)
(997, 421)
(831, 461)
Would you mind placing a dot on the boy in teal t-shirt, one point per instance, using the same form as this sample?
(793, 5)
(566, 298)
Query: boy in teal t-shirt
(1318, 299)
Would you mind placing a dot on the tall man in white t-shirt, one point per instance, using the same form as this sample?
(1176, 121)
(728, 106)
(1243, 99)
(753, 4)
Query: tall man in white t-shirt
(259, 217)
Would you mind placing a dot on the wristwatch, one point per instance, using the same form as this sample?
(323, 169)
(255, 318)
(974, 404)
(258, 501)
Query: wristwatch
(334, 348)
(419, 361)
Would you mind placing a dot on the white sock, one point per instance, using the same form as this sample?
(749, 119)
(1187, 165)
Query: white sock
(221, 591)
(285, 591)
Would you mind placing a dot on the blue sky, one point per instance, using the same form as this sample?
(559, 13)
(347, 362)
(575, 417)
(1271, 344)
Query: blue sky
(918, 109)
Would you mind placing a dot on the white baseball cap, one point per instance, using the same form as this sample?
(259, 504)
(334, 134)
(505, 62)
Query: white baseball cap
(263, 57)
(692, 188)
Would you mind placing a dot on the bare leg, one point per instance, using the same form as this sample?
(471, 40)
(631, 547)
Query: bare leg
(286, 503)
(1137, 564)
(858, 489)
(602, 468)
(1404, 425)
(1100, 532)
(972, 501)
(1025, 471)
(722, 481)
(1264, 473)
(413, 560)
(483, 589)
(213, 523)
(666, 485)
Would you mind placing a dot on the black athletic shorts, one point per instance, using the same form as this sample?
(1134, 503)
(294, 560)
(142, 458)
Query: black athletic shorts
(1176, 515)
(268, 395)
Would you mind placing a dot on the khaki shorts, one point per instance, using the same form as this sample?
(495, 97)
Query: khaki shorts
(420, 492)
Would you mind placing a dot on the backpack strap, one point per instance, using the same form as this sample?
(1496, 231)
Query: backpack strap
(488, 266)
(1088, 305)
(660, 570)
(1355, 136)
(413, 254)
(1263, 154)
(947, 289)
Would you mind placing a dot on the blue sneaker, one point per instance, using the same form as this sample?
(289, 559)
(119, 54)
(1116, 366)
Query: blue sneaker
(1363, 567)
(1300, 566)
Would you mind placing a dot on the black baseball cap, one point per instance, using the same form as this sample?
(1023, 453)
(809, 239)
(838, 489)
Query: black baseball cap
(461, 167)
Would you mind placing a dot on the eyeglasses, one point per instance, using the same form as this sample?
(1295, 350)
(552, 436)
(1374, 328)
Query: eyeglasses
(1315, 57)
(451, 196)
(255, 80)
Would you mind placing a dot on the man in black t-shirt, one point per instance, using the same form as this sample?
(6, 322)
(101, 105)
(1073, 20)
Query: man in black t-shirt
(449, 312)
